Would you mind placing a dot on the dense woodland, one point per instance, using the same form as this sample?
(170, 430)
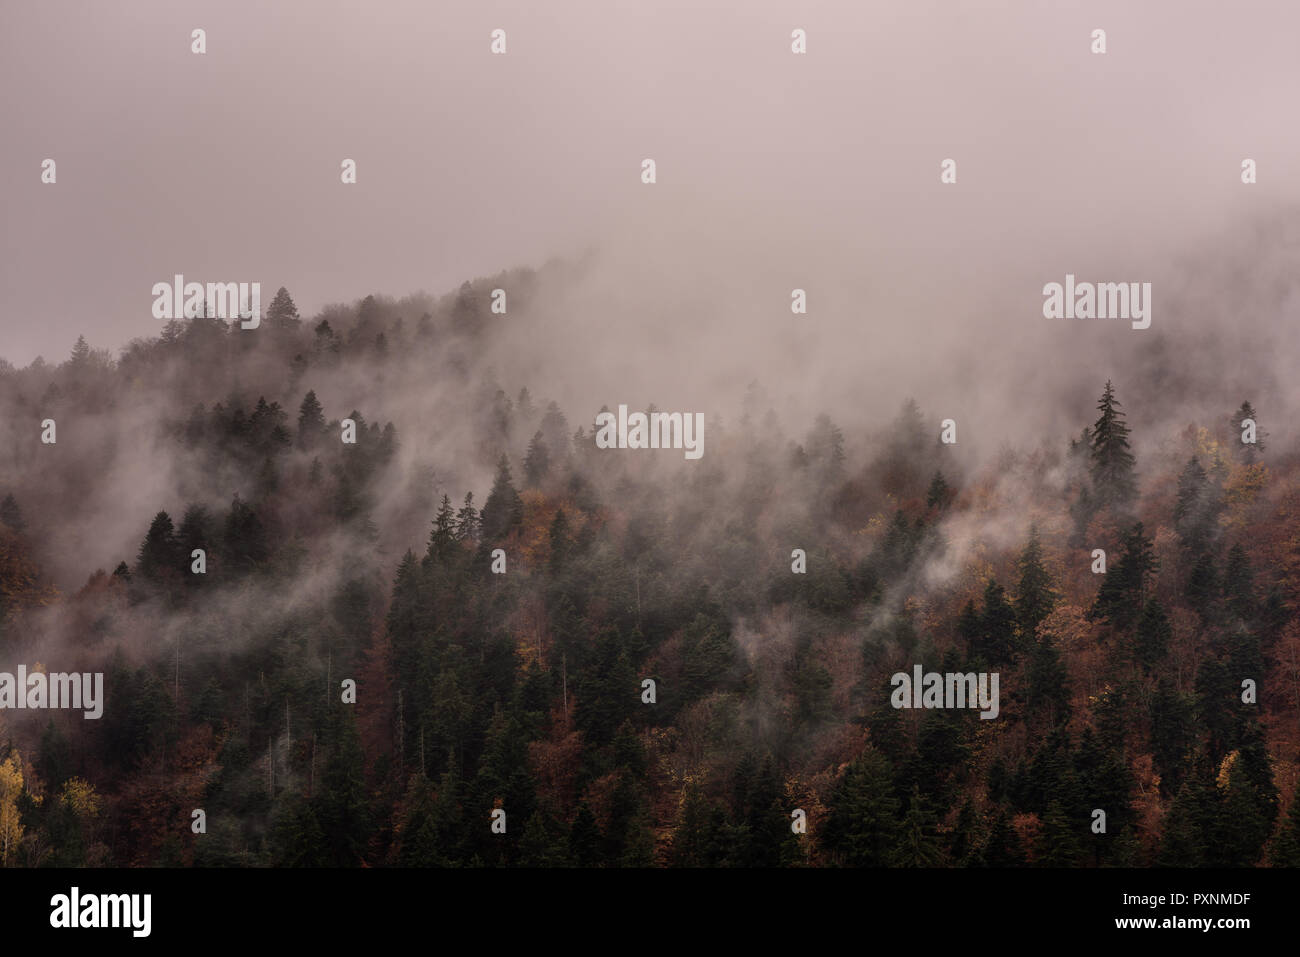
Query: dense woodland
(522, 691)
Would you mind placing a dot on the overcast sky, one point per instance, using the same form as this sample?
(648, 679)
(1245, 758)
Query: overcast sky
(819, 170)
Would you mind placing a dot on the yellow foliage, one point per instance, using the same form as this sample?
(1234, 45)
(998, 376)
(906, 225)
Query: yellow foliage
(79, 795)
(1206, 444)
(1240, 491)
(1225, 769)
(11, 786)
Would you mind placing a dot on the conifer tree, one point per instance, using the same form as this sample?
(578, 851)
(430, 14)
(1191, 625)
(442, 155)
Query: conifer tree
(1035, 597)
(1123, 590)
(1113, 480)
(467, 520)
(282, 313)
(504, 510)
(442, 540)
(311, 421)
(939, 493)
(160, 555)
(864, 829)
(537, 461)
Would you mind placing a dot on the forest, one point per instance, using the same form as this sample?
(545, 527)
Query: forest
(460, 613)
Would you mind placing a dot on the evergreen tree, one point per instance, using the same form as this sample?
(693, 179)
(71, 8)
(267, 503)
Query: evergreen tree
(341, 805)
(80, 353)
(1151, 640)
(245, 538)
(918, 844)
(467, 520)
(1202, 589)
(864, 829)
(939, 493)
(1035, 598)
(1059, 842)
(997, 625)
(1184, 837)
(282, 313)
(537, 461)
(504, 509)
(311, 421)
(1113, 480)
(1173, 734)
(584, 838)
(555, 433)
(160, 558)
(1239, 585)
(1003, 848)
(1049, 681)
(1123, 591)
(442, 540)
(1196, 508)
(560, 541)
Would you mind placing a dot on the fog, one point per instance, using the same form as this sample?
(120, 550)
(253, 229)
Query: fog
(775, 171)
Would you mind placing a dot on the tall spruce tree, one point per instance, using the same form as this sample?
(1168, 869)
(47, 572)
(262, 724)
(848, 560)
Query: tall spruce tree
(504, 509)
(1035, 597)
(1113, 479)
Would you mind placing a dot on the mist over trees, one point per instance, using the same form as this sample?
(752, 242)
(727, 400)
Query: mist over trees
(769, 592)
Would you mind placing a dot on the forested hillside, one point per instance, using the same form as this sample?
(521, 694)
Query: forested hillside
(769, 590)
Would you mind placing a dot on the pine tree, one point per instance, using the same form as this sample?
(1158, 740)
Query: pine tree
(80, 353)
(160, 556)
(1003, 848)
(442, 540)
(537, 461)
(1112, 463)
(864, 829)
(560, 541)
(939, 493)
(467, 520)
(997, 625)
(1239, 585)
(1151, 641)
(504, 510)
(918, 844)
(1059, 842)
(584, 838)
(1202, 589)
(1173, 734)
(1184, 839)
(311, 421)
(342, 803)
(1035, 597)
(1048, 679)
(282, 313)
(1123, 590)
(555, 432)
(1195, 508)
(968, 627)
(245, 536)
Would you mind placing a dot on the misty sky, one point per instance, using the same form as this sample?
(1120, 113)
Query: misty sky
(775, 171)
